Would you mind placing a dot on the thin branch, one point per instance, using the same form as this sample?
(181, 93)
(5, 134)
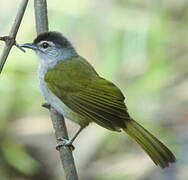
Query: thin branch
(65, 152)
(8, 38)
(9, 42)
(57, 119)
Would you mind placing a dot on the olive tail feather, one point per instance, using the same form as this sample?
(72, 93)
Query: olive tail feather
(157, 151)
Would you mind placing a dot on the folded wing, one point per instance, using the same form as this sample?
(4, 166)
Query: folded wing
(89, 95)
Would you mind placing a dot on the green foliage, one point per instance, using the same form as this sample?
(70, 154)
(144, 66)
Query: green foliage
(16, 157)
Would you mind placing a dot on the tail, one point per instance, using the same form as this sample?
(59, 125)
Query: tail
(157, 151)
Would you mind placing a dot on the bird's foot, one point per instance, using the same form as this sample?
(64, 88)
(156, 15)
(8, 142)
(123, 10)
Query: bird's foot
(62, 142)
(46, 105)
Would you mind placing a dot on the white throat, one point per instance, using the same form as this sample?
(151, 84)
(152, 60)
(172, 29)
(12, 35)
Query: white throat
(49, 61)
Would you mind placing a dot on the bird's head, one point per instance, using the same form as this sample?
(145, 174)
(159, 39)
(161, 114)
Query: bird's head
(51, 46)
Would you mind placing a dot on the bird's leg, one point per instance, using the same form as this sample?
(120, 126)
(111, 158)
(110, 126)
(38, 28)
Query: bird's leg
(66, 142)
(77, 133)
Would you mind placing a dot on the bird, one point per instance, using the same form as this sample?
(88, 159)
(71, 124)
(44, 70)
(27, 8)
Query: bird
(71, 85)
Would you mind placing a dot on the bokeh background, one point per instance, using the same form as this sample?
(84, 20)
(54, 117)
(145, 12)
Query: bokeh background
(142, 46)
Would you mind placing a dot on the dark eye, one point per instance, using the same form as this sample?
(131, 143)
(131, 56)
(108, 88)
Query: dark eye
(45, 45)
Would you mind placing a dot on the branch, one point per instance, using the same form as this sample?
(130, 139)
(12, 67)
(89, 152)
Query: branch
(41, 16)
(57, 119)
(10, 39)
(65, 152)
(6, 39)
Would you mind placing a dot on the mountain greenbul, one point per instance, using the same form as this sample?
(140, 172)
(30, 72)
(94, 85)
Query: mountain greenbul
(73, 87)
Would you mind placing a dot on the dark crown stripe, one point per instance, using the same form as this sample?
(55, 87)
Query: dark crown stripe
(53, 36)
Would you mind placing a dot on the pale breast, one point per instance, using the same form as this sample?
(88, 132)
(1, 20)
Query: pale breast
(56, 103)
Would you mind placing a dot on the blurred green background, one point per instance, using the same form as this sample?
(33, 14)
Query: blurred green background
(139, 45)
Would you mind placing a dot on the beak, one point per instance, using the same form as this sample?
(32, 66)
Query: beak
(29, 45)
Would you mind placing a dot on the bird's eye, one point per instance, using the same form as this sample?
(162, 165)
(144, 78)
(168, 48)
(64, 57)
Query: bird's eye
(45, 45)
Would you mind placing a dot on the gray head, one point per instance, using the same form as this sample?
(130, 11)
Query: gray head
(51, 46)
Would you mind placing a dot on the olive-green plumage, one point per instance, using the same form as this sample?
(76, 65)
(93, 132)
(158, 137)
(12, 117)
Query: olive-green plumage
(84, 92)
(72, 86)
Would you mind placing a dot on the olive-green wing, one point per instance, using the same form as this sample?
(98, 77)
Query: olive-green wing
(89, 95)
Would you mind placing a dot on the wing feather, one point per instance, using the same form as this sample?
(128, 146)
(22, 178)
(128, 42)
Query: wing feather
(108, 107)
(95, 114)
(84, 92)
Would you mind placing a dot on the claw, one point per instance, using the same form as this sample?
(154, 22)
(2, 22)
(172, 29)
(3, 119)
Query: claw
(64, 142)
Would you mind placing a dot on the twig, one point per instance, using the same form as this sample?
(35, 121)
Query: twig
(57, 119)
(10, 41)
(8, 38)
